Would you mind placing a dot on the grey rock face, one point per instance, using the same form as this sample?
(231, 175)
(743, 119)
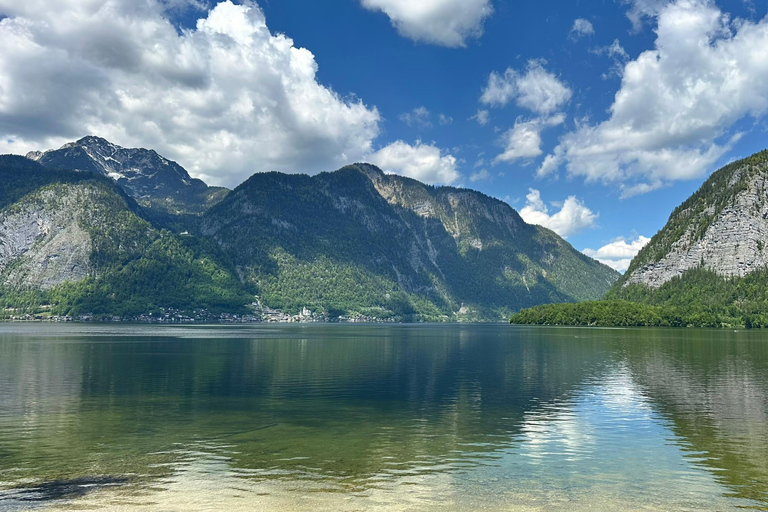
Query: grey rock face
(142, 173)
(41, 242)
(733, 245)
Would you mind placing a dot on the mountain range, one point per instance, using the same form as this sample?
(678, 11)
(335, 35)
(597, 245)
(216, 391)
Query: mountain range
(94, 228)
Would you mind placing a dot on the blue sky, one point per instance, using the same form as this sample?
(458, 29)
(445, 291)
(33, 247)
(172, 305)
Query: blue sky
(593, 118)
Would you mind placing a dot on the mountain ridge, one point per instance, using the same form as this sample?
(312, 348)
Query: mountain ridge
(446, 251)
(153, 180)
(723, 227)
(75, 243)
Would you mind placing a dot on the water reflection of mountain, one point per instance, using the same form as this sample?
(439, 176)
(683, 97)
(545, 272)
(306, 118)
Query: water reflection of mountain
(353, 402)
(351, 405)
(713, 386)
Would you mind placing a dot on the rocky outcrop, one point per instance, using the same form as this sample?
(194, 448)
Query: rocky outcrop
(726, 233)
(42, 244)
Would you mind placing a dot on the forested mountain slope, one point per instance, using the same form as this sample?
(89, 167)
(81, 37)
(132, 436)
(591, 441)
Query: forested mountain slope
(74, 243)
(383, 245)
(708, 266)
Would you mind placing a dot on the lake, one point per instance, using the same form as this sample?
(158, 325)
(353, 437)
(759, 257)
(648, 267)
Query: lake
(381, 417)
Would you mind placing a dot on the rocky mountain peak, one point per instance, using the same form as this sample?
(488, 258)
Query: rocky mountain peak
(152, 179)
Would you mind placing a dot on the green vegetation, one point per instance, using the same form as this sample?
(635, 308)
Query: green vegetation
(171, 273)
(20, 176)
(334, 289)
(354, 242)
(615, 313)
(698, 298)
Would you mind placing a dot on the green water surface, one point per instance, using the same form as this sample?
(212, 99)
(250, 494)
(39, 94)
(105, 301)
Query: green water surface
(381, 417)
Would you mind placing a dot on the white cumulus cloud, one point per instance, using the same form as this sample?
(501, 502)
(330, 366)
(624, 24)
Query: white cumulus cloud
(442, 22)
(582, 27)
(420, 117)
(672, 117)
(482, 117)
(641, 9)
(480, 175)
(573, 216)
(536, 89)
(524, 139)
(423, 162)
(618, 253)
(225, 99)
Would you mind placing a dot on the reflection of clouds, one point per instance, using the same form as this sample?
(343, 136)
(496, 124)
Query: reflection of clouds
(619, 393)
(556, 431)
(376, 418)
(568, 428)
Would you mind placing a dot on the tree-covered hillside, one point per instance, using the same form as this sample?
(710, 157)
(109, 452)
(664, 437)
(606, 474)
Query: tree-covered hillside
(706, 267)
(341, 241)
(73, 243)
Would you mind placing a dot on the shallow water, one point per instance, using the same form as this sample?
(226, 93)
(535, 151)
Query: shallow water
(381, 417)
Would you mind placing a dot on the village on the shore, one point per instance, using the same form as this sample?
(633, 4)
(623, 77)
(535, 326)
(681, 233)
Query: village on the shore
(259, 314)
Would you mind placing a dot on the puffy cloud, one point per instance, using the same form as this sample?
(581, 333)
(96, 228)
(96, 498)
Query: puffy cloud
(442, 22)
(423, 162)
(524, 139)
(418, 117)
(581, 28)
(482, 117)
(540, 91)
(226, 98)
(536, 90)
(480, 175)
(641, 9)
(618, 55)
(500, 89)
(445, 119)
(572, 218)
(618, 253)
(670, 119)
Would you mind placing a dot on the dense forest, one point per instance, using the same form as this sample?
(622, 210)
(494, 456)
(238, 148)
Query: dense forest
(698, 298)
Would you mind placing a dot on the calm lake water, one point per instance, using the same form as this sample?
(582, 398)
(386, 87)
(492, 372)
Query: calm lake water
(374, 417)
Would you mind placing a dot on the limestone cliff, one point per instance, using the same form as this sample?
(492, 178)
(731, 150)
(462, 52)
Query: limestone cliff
(42, 243)
(723, 227)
